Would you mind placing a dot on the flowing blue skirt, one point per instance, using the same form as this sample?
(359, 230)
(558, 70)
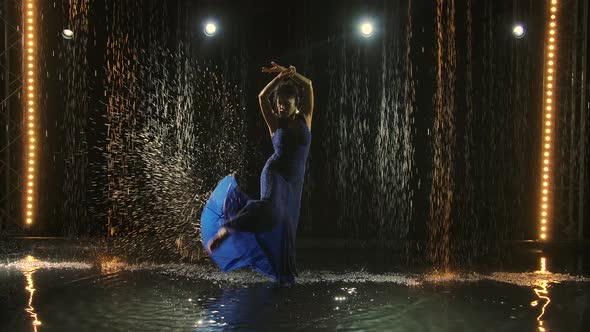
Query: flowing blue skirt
(240, 249)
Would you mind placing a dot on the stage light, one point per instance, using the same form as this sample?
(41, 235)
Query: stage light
(67, 33)
(210, 29)
(366, 29)
(550, 66)
(30, 67)
(518, 30)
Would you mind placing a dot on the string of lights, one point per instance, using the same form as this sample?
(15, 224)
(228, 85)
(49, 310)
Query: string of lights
(548, 105)
(30, 106)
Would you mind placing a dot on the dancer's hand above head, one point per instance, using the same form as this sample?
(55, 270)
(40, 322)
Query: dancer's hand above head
(306, 103)
(276, 68)
(286, 73)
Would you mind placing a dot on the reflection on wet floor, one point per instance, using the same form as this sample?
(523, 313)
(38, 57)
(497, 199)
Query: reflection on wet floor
(542, 291)
(159, 296)
(30, 287)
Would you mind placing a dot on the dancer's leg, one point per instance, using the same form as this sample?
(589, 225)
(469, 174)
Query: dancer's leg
(256, 216)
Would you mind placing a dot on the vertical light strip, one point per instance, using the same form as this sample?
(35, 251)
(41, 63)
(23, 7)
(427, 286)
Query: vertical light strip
(548, 118)
(30, 106)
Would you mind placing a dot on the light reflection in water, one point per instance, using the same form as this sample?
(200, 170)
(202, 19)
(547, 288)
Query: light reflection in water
(30, 287)
(542, 291)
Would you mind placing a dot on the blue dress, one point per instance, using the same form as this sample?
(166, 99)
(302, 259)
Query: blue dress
(262, 232)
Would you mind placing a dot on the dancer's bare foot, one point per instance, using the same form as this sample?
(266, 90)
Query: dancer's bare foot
(218, 239)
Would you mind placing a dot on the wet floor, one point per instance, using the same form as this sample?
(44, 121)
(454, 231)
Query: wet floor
(41, 293)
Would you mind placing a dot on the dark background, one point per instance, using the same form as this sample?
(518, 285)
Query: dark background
(375, 146)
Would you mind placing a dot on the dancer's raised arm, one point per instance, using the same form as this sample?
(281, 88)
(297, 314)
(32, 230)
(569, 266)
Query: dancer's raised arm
(306, 105)
(265, 106)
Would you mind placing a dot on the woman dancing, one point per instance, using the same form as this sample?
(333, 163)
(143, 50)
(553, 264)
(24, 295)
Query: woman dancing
(261, 233)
